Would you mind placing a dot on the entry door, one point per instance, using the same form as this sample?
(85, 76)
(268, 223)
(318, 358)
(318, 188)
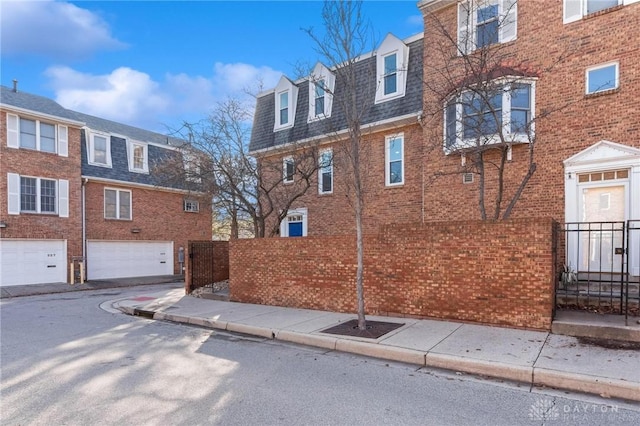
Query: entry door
(598, 244)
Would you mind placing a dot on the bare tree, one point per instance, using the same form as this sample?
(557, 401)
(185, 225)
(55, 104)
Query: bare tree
(242, 188)
(347, 37)
(487, 93)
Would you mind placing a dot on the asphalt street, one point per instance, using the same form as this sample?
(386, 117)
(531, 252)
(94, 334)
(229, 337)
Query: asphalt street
(64, 360)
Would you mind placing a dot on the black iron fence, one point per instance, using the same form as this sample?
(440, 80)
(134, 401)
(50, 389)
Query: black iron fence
(597, 266)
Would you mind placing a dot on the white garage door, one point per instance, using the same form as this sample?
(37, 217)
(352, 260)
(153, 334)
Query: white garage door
(32, 262)
(120, 259)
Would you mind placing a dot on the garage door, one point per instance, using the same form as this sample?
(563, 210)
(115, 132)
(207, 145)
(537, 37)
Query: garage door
(120, 259)
(32, 262)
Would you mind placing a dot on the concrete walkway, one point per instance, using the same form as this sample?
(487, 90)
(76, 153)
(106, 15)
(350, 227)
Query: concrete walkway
(533, 357)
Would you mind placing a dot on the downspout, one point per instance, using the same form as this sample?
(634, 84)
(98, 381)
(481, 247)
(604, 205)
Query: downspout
(84, 222)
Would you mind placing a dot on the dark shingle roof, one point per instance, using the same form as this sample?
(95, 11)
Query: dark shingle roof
(35, 103)
(263, 136)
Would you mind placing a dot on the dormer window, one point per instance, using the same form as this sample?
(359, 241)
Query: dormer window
(321, 85)
(390, 74)
(99, 149)
(286, 94)
(138, 154)
(392, 59)
(482, 23)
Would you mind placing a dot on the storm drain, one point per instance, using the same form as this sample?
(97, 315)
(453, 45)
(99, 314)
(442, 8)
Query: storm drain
(143, 313)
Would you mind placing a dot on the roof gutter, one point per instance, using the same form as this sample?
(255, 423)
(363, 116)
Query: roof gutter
(56, 118)
(378, 126)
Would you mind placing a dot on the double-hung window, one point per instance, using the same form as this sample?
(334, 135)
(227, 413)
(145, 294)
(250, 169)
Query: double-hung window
(99, 149)
(36, 135)
(390, 74)
(138, 157)
(501, 112)
(284, 108)
(319, 98)
(38, 195)
(117, 204)
(288, 169)
(602, 78)
(394, 160)
(325, 172)
(192, 206)
(286, 94)
(482, 23)
(321, 85)
(574, 10)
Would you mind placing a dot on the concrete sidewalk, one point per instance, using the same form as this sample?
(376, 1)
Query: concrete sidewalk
(533, 357)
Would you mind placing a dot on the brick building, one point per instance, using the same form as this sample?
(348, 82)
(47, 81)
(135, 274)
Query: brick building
(78, 186)
(561, 79)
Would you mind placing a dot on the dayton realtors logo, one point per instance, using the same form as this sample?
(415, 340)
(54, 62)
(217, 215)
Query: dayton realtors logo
(547, 409)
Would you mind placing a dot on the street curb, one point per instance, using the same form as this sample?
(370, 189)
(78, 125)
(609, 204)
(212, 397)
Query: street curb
(476, 366)
(375, 350)
(535, 376)
(601, 332)
(605, 387)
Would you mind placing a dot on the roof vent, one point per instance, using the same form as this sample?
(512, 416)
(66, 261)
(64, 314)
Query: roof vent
(15, 85)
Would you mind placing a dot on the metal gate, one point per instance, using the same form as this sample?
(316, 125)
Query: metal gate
(597, 264)
(201, 264)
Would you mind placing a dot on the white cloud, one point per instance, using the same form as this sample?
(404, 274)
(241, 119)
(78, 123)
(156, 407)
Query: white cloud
(133, 97)
(53, 29)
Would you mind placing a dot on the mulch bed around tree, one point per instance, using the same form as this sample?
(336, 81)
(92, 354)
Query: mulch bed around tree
(374, 329)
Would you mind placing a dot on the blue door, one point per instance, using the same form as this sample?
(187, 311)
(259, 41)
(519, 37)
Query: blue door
(295, 229)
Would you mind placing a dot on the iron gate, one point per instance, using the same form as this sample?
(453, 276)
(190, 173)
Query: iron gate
(597, 264)
(201, 264)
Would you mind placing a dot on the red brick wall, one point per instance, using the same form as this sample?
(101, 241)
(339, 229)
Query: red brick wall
(43, 165)
(159, 215)
(583, 121)
(494, 273)
(330, 214)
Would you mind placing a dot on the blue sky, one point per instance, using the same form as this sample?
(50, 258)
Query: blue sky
(155, 64)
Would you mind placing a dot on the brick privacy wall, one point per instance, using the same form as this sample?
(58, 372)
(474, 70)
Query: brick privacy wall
(158, 214)
(220, 264)
(584, 120)
(43, 165)
(487, 272)
(331, 214)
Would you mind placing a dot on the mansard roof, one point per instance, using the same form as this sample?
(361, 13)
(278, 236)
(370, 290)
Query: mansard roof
(263, 136)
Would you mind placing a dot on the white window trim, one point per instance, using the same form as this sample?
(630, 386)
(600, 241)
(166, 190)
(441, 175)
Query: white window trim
(468, 22)
(118, 191)
(598, 67)
(61, 135)
(91, 152)
(191, 206)
(14, 200)
(321, 73)
(130, 151)
(284, 229)
(387, 159)
(462, 144)
(286, 160)
(321, 170)
(389, 46)
(578, 9)
(285, 86)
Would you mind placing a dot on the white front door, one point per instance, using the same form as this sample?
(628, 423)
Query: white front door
(603, 207)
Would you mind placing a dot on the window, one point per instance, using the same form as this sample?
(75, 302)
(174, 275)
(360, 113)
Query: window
(321, 84)
(394, 164)
(294, 224)
(390, 74)
(99, 149)
(286, 94)
(602, 78)
(36, 135)
(485, 22)
(117, 204)
(28, 194)
(288, 169)
(325, 172)
(138, 157)
(575, 10)
(284, 108)
(392, 59)
(191, 206)
(37, 195)
(479, 118)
